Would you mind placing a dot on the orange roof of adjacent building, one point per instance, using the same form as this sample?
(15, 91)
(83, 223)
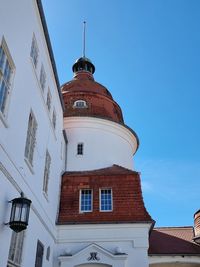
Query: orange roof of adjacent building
(173, 241)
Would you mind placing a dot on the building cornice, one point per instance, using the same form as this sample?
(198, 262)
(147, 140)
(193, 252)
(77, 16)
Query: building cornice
(102, 121)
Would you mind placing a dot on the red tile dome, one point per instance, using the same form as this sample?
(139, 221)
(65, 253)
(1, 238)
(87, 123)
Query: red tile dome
(83, 96)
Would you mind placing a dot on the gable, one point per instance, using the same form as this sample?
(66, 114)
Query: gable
(93, 256)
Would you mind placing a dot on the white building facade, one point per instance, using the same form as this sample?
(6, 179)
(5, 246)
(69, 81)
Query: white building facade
(31, 140)
(87, 208)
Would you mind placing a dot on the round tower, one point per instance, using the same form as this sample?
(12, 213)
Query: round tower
(93, 121)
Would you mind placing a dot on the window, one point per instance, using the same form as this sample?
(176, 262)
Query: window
(16, 248)
(42, 78)
(48, 254)
(54, 119)
(46, 172)
(39, 254)
(6, 71)
(80, 104)
(31, 138)
(106, 199)
(86, 200)
(80, 149)
(34, 51)
(49, 100)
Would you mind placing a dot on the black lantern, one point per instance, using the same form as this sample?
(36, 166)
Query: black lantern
(19, 213)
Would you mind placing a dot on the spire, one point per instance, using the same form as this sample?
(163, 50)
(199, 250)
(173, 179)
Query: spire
(84, 26)
(83, 63)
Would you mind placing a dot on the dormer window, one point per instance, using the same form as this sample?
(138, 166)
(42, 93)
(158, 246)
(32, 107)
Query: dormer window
(80, 104)
(85, 200)
(106, 203)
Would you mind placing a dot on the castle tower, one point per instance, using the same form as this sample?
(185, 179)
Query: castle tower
(102, 218)
(93, 121)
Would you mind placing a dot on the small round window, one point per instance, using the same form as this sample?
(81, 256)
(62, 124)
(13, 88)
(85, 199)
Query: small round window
(80, 104)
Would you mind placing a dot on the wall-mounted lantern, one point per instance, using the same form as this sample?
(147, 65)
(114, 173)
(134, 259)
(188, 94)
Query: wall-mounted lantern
(19, 213)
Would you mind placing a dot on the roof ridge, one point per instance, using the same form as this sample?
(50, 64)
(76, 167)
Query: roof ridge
(112, 168)
(172, 227)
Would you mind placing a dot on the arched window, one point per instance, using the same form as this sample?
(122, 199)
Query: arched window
(80, 104)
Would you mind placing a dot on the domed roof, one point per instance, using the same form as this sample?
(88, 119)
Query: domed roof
(83, 96)
(83, 63)
(83, 59)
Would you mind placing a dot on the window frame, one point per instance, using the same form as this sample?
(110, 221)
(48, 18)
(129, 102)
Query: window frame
(47, 168)
(49, 100)
(80, 200)
(30, 139)
(100, 199)
(80, 101)
(16, 249)
(38, 263)
(6, 78)
(42, 78)
(34, 53)
(48, 253)
(54, 119)
(80, 149)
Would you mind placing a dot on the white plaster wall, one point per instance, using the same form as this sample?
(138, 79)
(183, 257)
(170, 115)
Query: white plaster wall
(6, 194)
(19, 20)
(174, 260)
(131, 238)
(105, 143)
(42, 234)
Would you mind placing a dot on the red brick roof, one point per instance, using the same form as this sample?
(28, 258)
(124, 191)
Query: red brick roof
(128, 205)
(114, 169)
(99, 100)
(173, 240)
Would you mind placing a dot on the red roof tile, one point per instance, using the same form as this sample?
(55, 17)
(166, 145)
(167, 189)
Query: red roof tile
(99, 100)
(173, 240)
(114, 169)
(128, 205)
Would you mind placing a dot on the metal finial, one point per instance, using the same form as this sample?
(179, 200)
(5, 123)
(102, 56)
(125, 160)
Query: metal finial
(84, 26)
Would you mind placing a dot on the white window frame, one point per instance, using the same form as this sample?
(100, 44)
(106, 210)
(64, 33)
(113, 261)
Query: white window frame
(43, 78)
(37, 256)
(46, 172)
(49, 100)
(34, 53)
(100, 206)
(16, 249)
(30, 139)
(48, 253)
(6, 78)
(78, 149)
(80, 104)
(54, 119)
(80, 200)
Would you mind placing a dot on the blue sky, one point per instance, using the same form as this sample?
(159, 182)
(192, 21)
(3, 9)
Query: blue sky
(147, 53)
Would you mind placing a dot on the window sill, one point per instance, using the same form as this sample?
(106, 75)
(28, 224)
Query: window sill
(29, 165)
(79, 155)
(106, 210)
(75, 107)
(87, 211)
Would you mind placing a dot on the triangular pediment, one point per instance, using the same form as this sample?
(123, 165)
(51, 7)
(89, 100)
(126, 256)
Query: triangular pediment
(92, 254)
